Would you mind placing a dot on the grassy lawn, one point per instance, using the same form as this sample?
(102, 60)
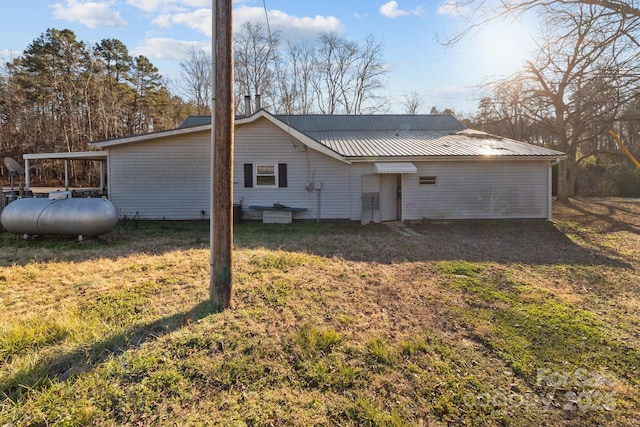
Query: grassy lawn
(522, 323)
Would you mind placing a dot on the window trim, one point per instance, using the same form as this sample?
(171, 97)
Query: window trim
(256, 166)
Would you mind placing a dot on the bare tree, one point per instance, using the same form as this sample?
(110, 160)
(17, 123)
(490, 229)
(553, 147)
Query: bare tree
(195, 80)
(296, 80)
(507, 112)
(582, 74)
(361, 96)
(412, 103)
(349, 75)
(333, 56)
(333, 75)
(255, 62)
(575, 88)
(485, 12)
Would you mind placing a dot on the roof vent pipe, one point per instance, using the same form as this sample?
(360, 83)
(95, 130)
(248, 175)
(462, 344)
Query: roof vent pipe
(247, 105)
(258, 103)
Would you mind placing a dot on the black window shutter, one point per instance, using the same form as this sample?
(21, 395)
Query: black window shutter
(248, 175)
(282, 175)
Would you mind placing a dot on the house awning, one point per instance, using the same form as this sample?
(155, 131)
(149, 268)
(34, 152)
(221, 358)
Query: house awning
(404, 167)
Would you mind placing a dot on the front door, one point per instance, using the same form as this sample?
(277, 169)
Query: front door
(389, 197)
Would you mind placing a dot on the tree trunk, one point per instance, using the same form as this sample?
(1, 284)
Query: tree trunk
(572, 174)
(563, 193)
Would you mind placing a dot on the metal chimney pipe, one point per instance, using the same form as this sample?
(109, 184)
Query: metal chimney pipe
(247, 105)
(258, 103)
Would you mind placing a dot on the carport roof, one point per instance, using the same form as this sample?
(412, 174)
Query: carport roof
(77, 155)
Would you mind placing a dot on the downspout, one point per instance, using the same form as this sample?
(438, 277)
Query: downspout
(108, 173)
(550, 189)
(402, 198)
(319, 205)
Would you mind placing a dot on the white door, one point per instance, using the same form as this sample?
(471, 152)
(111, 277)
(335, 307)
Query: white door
(389, 197)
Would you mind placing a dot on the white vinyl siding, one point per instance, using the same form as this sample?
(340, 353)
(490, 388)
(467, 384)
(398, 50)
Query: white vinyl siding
(260, 142)
(162, 178)
(477, 189)
(169, 178)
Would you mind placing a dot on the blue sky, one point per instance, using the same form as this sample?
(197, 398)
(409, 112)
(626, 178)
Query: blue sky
(164, 30)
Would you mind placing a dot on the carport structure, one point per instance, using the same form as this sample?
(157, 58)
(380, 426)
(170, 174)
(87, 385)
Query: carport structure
(100, 156)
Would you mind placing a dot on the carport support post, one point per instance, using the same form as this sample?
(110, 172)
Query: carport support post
(66, 175)
(222, 123)
(27, 178)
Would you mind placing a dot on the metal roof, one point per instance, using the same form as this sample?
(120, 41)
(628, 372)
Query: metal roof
(74, 155)
(391, 136)
(192, 121)
(426, 143)
(379, 136)
(372, 122)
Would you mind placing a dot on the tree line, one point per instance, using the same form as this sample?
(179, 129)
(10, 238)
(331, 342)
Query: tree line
(61, 94)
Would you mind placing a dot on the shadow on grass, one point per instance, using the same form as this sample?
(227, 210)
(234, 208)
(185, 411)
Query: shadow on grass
(514, 241)
(68, 365)
(611, 223)
(520, 241)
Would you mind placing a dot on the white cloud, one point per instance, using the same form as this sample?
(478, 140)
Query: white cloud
(89, 13)
(452, 7)
(391, 10)
(166, 48)
(163, 6)
(290, 27)
(199, 20)
(162, 21)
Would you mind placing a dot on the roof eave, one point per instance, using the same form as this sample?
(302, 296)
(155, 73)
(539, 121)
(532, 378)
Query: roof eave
(360, 159)
(73, 155)
(149, 136)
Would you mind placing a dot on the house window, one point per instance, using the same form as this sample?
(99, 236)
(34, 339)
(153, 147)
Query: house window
(427, 180)
(265, 175)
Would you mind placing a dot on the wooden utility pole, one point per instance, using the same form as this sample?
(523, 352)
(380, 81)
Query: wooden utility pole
(222, 123)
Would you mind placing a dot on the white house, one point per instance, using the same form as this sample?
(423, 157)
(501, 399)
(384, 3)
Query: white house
(368, 168)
